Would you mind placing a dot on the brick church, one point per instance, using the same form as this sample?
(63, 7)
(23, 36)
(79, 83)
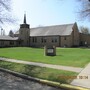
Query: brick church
(66, 35)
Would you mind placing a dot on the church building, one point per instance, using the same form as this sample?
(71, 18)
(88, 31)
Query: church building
(66, 35)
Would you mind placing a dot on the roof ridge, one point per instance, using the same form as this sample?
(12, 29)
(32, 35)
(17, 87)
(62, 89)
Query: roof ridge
(53, 25)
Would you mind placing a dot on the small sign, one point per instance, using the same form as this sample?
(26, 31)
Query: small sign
(50, 50)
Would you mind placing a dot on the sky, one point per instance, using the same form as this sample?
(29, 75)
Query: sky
(45, 13)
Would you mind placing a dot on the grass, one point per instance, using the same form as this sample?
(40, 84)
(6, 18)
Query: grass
(77, 57)
(40, 72)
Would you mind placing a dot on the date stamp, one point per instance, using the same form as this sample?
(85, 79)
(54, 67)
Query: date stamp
(73, 77)
(82, 77)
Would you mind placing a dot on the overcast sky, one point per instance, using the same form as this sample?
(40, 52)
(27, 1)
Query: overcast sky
(45, 13)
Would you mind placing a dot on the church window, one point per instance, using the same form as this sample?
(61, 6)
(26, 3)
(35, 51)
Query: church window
(2, 42)
(11, 42)
(54, 39)
(43, 40)
(64, 38)
(34, 39)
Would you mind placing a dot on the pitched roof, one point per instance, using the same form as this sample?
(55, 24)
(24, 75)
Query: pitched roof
(8, 38)
(61, 30)
(52, 30)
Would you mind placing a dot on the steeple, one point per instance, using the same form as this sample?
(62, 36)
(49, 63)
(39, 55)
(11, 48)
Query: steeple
(24, 33)
(24, 19)
(24, 25)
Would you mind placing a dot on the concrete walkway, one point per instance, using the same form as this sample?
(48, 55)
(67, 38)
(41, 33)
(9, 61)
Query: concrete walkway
(60, 67)
(83, 79)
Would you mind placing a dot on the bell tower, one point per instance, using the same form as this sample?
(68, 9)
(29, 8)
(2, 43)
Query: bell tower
(24, 33)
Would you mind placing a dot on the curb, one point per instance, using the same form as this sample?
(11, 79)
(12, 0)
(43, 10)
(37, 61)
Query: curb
(50, 83)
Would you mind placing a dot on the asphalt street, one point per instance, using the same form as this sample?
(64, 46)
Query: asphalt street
(11, 82)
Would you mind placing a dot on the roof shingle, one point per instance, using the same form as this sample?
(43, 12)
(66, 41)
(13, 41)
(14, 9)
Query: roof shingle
(52, 30)
(8, 38)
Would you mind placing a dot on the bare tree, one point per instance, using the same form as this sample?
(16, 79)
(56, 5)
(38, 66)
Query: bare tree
(84, 30)
(84, 9)
(5, 15)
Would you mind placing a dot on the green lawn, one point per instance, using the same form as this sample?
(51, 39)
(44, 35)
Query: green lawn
(40, 72)
(77, 57)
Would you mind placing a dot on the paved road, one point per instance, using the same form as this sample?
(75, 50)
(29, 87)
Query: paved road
(10, 82)
(60, 67)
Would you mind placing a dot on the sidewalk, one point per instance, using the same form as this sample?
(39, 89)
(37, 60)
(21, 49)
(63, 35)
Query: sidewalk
(60, 67)
(83, 79)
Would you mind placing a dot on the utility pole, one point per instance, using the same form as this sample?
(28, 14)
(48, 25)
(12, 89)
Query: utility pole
(1, 31)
